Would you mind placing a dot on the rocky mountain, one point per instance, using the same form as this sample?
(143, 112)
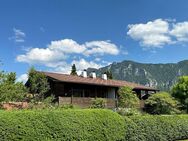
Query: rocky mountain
(162, 76)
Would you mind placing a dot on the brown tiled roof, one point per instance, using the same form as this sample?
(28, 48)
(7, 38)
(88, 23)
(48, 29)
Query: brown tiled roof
(94, 81)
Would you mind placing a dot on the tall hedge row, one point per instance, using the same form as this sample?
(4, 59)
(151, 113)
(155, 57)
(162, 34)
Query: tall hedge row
(156, 128)
(89, 125)
(64, 125)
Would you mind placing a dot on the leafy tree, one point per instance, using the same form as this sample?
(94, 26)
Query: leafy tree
(37, 84)
(127, 98)
(73, 71)
(11, 77)
(161, 103)
(180, 91)
(10, 90)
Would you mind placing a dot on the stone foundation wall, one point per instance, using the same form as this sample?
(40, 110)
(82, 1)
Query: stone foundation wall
(14, 105)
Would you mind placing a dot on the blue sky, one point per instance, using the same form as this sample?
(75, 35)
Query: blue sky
(53, 34)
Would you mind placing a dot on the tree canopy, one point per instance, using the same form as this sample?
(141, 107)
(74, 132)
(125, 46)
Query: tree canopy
(180, 91)
(10, 90)
(37, 84)
(161, 103)
(127, 98)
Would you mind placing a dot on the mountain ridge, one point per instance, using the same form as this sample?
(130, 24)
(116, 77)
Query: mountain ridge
(159, 75)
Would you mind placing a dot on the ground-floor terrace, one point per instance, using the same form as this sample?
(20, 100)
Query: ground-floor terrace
(82, 95)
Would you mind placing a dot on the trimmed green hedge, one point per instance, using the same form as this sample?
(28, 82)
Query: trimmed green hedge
(89, 125)
(156, 128)
(61, 125)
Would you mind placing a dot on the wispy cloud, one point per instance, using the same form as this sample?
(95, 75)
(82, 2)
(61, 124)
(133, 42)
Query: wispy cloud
(19, 35)
(42, 29)
(123, 50)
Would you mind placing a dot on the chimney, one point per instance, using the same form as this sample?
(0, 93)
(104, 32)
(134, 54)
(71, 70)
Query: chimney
(104, 76)
(84, 74)
(93, 75)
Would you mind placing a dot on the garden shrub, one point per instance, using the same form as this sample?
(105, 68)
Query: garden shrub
(161, 103)
(98, 103)
(156, 128)
(47, 103)
(128, 111)
(61, 125)
(66, 106)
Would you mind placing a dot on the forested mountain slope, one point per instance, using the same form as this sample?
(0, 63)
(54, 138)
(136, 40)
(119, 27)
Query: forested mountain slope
(162, 76)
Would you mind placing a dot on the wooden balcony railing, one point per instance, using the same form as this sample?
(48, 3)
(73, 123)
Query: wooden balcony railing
(85, 102)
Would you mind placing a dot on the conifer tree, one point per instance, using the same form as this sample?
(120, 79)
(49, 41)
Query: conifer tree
(73, 71)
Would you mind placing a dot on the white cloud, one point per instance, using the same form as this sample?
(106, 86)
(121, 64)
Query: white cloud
(180, 31)
(80, 65)
(63, 68)
(56, 54)
(22, 78)
(19, 36)
(101, 47)
(152, 34)
(67, 46)
(157, 33)
(88, 48)
(57, 51)
(41, 56)
(83, 64)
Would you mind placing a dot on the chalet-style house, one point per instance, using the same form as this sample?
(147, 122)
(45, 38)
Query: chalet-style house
(80, 90)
